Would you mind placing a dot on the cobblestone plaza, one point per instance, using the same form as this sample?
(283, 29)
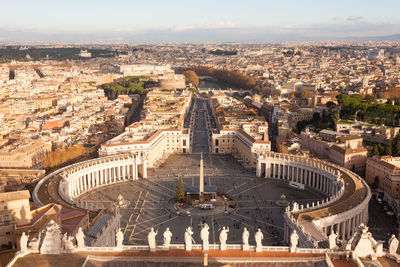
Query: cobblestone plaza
(148, 200)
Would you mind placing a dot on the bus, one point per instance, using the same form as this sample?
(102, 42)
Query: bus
(296, 185)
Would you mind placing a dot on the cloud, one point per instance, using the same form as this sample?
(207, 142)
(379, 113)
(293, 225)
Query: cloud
(221, 31)
(218, 25)
(354, 18)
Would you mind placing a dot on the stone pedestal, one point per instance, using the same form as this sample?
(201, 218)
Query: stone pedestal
(245, 247)
(222, 247)
(394, 257)
(206, 246)
(258, 249)
(293, 249)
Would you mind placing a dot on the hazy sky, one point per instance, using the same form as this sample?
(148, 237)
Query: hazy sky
(241, 19)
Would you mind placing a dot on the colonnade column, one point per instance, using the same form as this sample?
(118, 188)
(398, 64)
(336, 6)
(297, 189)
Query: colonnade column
(279, 171)
(258, 169)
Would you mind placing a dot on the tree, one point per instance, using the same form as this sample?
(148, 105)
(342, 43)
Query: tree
(335, 117)
(331, 105)
(375, 150)
(396, 147)
(180, 191)
(369, 99)
(192, 77)
(316, 117)
(388, 149)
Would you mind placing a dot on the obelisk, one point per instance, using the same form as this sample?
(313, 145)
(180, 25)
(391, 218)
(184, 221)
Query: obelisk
(201, 185)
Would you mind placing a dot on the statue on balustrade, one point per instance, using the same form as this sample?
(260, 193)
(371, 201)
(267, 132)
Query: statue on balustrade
(204, 235)
(258, 237)
(223, 237)
(332, 240)
(294, 240)
(393, 245)
(151, 239)
(69, 244)
(23, 242)
(119, 237)
(188, 238)
(80, 238)
(167, 238)
(245, 239)
(52, 239)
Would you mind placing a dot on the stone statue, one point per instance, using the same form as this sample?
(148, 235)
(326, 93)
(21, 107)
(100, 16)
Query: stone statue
(393, 245)
(188, 238)
(69, 244)
(52, 239)
(167, 238)
(258, 236)
(151, 239)
(34, 244)
(204, 234)
(294, 240)
(64, 240)
(332, 240)
(223, 236)
(119, 237)
(295, 206)
(245, 236)
(245, 239)
(80, 238)
(23, 242)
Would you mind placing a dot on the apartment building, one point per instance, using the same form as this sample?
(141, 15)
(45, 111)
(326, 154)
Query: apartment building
(28, 155)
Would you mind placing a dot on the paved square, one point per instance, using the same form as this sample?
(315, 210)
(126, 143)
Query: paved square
(255, 196)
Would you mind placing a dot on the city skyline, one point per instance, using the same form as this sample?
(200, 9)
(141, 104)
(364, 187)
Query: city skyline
(176, 21)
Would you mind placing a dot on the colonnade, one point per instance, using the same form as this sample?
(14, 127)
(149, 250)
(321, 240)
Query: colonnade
(345, 228)
(326, 178)
(87, 175)
(320, 180)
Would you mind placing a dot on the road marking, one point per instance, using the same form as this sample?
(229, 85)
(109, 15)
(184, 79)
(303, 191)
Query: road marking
(155, 225)
(130, 218)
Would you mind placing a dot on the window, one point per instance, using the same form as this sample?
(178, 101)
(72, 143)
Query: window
(6, 217)
(8, 233)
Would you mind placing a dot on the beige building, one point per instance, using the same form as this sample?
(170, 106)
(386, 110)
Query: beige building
(27, 155)
(159, 134)
(343, 150)
(240, 144)
(386, 171)
(14, 210)
(302, 114)
(155, 145)
(353, 159)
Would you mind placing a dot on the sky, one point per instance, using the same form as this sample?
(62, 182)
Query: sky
(201, 20)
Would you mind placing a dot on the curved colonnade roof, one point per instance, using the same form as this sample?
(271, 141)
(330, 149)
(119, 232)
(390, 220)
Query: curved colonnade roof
(354, 194)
